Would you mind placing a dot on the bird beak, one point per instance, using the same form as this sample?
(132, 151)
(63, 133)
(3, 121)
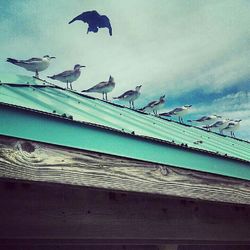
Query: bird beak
(82, 66)
(52, 57)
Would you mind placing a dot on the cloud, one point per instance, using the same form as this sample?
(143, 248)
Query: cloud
(170, 47)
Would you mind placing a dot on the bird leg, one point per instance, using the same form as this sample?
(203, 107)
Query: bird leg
(133, 104)
(67, 84)
(37, 74)
(130, 104)
(71, 86)
(106, 96)
(103, 96)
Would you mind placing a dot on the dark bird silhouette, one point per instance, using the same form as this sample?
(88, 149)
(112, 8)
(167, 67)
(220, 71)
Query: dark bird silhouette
(94, 21)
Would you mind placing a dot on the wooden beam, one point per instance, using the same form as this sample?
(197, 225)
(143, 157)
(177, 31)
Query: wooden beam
(53, 214)
(168, 247)
(33, 161)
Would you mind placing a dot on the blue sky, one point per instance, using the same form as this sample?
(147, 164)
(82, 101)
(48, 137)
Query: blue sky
(195, 52)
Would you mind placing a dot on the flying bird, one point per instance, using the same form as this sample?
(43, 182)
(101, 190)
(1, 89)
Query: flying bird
(68, 76)
(130, 96)
(232, 126)
(180, 112)
(33, 64)
(94, 21)
(154, 106)
(220, 125)
(103, 87)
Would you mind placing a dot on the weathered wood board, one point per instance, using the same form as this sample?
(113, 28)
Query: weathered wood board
(55, 214)
(33, 161)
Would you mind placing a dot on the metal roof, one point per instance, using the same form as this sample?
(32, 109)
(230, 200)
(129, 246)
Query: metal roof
(35, 94)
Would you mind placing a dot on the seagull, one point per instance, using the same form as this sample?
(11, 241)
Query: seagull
(130, 96)
(154, 106)
(232, 126)
(220, 125)
(33, 64)
(181, 111)
(206, 120)
(68, 76)
(94, 21)
(103, 87)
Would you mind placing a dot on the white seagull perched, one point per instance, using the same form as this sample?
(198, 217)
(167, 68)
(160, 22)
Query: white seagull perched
(154, 105)
(180, 112)
(206, 120)
(68, 76)
(103, 87)
(33, 64)
(232, 126)
(220, 125)
(130, 96)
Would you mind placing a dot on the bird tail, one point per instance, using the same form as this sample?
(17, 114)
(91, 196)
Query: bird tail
(51, 77)
(85, 90)
(189, 120)
(167, 114)
(208, 126)
(12, 60)
(142, 109)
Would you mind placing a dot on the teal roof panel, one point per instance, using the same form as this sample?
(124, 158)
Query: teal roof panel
(41, 96)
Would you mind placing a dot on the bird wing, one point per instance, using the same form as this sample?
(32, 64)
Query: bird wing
(104, 22)
(151, 104)
(165, 114)
(65, 73)
(31, 60)
(98, 86)
(230, 125)
(203, 118)
(217, 124)
(90, 17)
(125, 94)
(175, 110)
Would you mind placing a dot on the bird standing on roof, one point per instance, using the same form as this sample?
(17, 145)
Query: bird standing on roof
(206, 120)
(154, 106)
(220, 125)
(68, 76)
(33, 64)
(94, 21)
(103, 87)
(180, 112)
(232, 126)
(130, 96)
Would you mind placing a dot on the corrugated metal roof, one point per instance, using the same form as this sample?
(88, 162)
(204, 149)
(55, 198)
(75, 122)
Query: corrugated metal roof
(38, 95)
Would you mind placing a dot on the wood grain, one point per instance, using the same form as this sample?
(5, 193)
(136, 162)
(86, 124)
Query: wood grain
(33, 213)
(32, 161)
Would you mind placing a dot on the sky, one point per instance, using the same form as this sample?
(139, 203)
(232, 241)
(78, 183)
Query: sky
(195, 52)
